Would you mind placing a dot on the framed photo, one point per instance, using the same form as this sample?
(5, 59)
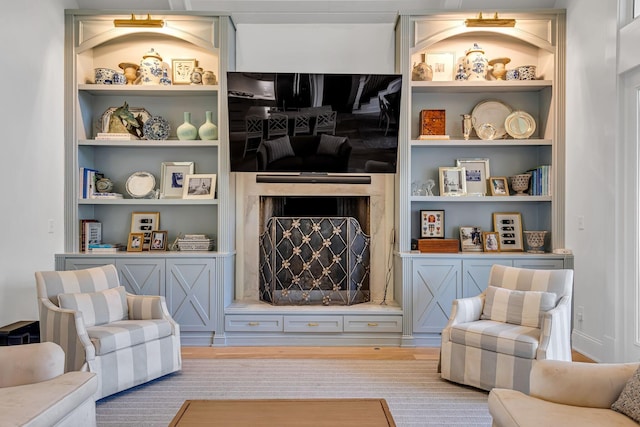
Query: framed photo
(491, 241)
(145, 222)
(158, 241)
(181, 70)
(498, 186)
(508, 225)
(172, 178)
(442, 65)
(199, 186)
(471, 239)
(432, 224)
(476, 173)
(135, 241)
(453, 181)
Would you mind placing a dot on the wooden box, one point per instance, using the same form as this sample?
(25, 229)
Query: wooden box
(432, 122)
(439, 245)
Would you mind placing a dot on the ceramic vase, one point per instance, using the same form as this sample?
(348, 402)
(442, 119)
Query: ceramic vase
(208, 130)
(498, 67)
(520, 183)
(475, 63)
(151, 68)
(461, 74)
(187, 131)
(209, 78)
(196, 76)
(535, 241)
(130, 71)
(422, 71)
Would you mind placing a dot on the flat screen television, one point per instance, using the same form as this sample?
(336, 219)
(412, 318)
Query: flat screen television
(313, 123)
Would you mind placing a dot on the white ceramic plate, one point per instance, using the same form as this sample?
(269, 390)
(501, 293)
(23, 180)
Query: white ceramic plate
(141, 185)
(490, 112)
(520, 124)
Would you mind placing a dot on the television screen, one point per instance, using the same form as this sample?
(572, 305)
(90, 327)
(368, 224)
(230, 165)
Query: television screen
(313, 123)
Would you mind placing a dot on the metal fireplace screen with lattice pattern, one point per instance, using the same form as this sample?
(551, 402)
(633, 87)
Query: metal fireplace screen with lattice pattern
(314, 260)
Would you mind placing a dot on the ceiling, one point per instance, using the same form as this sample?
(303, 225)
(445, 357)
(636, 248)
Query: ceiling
(317, 11)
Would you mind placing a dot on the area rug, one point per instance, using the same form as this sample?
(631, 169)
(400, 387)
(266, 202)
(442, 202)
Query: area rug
(413, 390)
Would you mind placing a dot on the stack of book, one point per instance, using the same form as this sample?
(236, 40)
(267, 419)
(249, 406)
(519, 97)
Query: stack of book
(541, 181)
(88, 178)
(90, 233)
(105, 248)
(195, 242)
(114, 136)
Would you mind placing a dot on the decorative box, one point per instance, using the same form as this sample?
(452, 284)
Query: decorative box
(439, 245)
(432, 122)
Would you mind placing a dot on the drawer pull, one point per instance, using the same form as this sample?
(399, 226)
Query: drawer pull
(254, 323)
(372, 324)
(313, 324)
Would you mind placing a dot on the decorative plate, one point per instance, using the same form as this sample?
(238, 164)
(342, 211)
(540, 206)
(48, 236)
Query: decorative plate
(140, 114)
(490, 112)
(520, 125)
(141, 185)
(156, 128)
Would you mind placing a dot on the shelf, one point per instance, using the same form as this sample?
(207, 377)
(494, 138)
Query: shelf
(482, 86)
(153, 202)
(146, 143)
(480, 199)
(478, 142)
(150, 90)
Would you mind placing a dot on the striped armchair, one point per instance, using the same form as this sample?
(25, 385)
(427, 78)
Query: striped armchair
(125, 339)
(491, 340)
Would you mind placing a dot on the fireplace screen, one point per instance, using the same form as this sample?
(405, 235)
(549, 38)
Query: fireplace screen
(314, 260)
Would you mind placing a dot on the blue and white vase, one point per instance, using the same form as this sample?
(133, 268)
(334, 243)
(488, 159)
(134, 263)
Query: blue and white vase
(476, 64)
(165, 80)
(151, 68)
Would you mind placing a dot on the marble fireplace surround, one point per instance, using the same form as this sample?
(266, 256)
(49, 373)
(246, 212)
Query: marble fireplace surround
(248, 222)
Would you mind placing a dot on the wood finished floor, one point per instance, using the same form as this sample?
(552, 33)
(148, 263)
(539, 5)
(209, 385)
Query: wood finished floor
(355, 353)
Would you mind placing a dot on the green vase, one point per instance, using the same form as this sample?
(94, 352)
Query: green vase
(187, 131)
(208, 130)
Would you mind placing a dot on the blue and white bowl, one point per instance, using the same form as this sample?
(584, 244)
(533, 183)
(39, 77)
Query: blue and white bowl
(512, 74)
(119, 79)
(527, 72)
(104, 76)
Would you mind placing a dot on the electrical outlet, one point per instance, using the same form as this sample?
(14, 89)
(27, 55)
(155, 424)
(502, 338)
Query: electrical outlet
(581, 222)
(50, 226)
(580, 313)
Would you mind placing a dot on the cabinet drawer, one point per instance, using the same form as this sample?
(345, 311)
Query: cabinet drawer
(313, 324)
(258, 323)
(373, 324)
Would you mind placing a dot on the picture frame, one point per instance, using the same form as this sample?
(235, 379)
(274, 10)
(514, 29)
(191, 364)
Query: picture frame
(508, 225)
(442, 65)
(199, 186)
(498, 186)
(172, 178)
(471, 239)
(453, 181)
(490, 241)
(476, 172)
(432, 224)
(181, 70)
(135, 242)
(158, 241)
(145, 222)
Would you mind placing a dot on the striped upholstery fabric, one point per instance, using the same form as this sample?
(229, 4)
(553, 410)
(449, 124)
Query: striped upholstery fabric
(123, 353)
(491, 353)
(98, 308)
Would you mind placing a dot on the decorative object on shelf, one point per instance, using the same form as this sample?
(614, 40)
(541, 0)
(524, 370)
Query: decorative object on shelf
(208, 130)
(146, 223)
(488, 118)
(498, 69)
(182, 69)
(433, 123)
(141, 185)
(527, 72)
(165, 80)
(475, 63)
(498, 186)
(134, 243)
(508, 225)
(151, 68)
(172, 178)
(104, 185)
(432, 224)
(477, 172)
(421, 72)
(194, 243)
(119, 79)
(453, 181)
(441, 64)
(130, 71)
(489, 22)
(520, 124)
(187, 131)
(196, 76)
(158, 241)
(467, 125)
(471, 239)
(520, 183)
(156, 128)
(209, 78)
(124, 119)
(490, 241)
(461, 75)
(104, 76)
(199, 186)
(451, 246)
(429, 187)
(512, 74)
(535, 241)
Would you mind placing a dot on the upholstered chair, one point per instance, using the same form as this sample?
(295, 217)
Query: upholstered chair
(491, 340)
(125, 339)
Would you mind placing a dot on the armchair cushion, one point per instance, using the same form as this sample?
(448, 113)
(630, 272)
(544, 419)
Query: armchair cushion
(330, 144)
(99, 307)
(127, 333)
(629, 401)
(278, 148)
(517, 307)
(499, 337)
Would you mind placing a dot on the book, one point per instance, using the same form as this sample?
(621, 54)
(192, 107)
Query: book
(114, 136)
(433, 122)
(92, 234)
(106, 196)
(83, 233)
(429, 137)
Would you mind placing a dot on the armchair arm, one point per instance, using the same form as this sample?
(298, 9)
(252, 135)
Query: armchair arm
(466, 310)
(593, 385)
(30, 363)
(555, 332)
(148, 307)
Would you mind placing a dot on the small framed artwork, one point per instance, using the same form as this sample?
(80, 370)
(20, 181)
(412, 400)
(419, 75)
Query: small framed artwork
(471, 239)
(172, 178)
(498, 186)
(145, 222)
(199, 186)
(181, 70)
(453, 181)
(431, 224)
(476, 173)
(490, 241)
(135, 241)
(508, 225)
(158, 241)
(441, 64)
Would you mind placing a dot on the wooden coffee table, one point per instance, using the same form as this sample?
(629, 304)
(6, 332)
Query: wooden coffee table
(285, 413)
